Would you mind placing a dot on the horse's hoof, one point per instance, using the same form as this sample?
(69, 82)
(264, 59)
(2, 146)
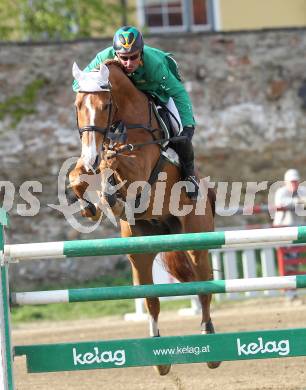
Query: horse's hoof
(70, 196)
(209, 329)
(89, 211)
(213, 365)
(163, 370)
(97, 216)
(91, 208)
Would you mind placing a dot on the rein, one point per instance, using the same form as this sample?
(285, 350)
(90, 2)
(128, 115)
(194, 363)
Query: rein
(128, 147)
(105, 130)
(151, 130)
(131, 147)
(117, 131)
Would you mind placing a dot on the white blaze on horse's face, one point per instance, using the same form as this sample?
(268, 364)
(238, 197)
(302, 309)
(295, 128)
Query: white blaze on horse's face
(90, 154)
(91, 111)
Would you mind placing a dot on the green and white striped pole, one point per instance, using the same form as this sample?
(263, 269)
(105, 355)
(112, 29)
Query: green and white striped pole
(158, 290)
(154, 244)
(6, 374)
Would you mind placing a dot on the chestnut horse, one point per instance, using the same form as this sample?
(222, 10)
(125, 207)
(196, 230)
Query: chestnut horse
(131, 150)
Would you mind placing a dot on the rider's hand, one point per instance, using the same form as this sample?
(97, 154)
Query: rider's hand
(188, 131)
(109, 154)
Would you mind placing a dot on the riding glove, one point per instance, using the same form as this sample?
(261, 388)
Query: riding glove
(188, 131)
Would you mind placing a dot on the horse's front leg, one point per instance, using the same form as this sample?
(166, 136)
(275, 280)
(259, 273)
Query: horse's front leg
(79, 185)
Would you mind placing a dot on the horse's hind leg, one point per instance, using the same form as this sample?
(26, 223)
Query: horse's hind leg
(202, 270)
(142, 274)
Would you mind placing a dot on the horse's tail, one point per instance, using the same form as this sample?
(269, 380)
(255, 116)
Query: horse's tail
(177, 264)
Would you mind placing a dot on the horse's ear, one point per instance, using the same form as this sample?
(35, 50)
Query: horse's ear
(76, 71)
(104, 73)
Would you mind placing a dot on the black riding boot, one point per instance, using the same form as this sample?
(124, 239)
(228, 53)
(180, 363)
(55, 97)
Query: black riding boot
(185, 152)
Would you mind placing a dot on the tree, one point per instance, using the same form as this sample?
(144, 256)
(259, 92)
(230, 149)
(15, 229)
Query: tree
(8, 22)
(59, 19)
(124, 12)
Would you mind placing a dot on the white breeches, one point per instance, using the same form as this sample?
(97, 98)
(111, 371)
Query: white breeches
(176, 123)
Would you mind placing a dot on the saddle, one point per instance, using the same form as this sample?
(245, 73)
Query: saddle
(164, 117)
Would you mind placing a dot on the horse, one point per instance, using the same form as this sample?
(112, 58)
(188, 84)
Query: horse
(120, 133)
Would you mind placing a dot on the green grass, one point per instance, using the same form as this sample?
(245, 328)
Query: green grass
(71, 311)
(87, 310)
(83, 310)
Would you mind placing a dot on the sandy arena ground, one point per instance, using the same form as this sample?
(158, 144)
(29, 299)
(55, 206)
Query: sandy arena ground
(281, 374)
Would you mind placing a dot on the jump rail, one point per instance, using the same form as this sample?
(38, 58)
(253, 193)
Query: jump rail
(159, 290)
(154, 244)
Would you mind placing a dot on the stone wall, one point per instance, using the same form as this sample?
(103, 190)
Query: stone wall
(251, 122)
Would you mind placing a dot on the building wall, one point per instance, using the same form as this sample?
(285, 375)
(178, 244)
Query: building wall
(258, 14)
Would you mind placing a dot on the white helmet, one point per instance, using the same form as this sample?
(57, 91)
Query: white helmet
(292, 175)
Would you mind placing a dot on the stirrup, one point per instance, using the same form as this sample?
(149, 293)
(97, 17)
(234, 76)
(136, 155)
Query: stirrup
(192, 186)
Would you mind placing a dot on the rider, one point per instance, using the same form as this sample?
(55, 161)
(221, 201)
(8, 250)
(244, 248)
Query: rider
(155, 72)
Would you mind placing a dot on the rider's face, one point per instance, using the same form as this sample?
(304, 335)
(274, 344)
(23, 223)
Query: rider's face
(293, 185)
(130, 61)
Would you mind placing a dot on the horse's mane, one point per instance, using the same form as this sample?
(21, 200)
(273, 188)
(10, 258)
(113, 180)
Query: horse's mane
(114, 62)
(96, 80)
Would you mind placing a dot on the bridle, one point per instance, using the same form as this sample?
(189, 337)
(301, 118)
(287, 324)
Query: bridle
(101, 130)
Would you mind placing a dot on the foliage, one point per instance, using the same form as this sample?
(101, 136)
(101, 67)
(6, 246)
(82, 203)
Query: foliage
(20, 105)
(8, 11)
(58, 19)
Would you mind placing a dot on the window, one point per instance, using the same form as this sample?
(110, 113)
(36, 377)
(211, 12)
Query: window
(175, 15)
(163, 13)
(199, 13)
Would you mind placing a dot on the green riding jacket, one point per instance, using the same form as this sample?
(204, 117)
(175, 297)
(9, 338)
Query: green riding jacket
(157, 75)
